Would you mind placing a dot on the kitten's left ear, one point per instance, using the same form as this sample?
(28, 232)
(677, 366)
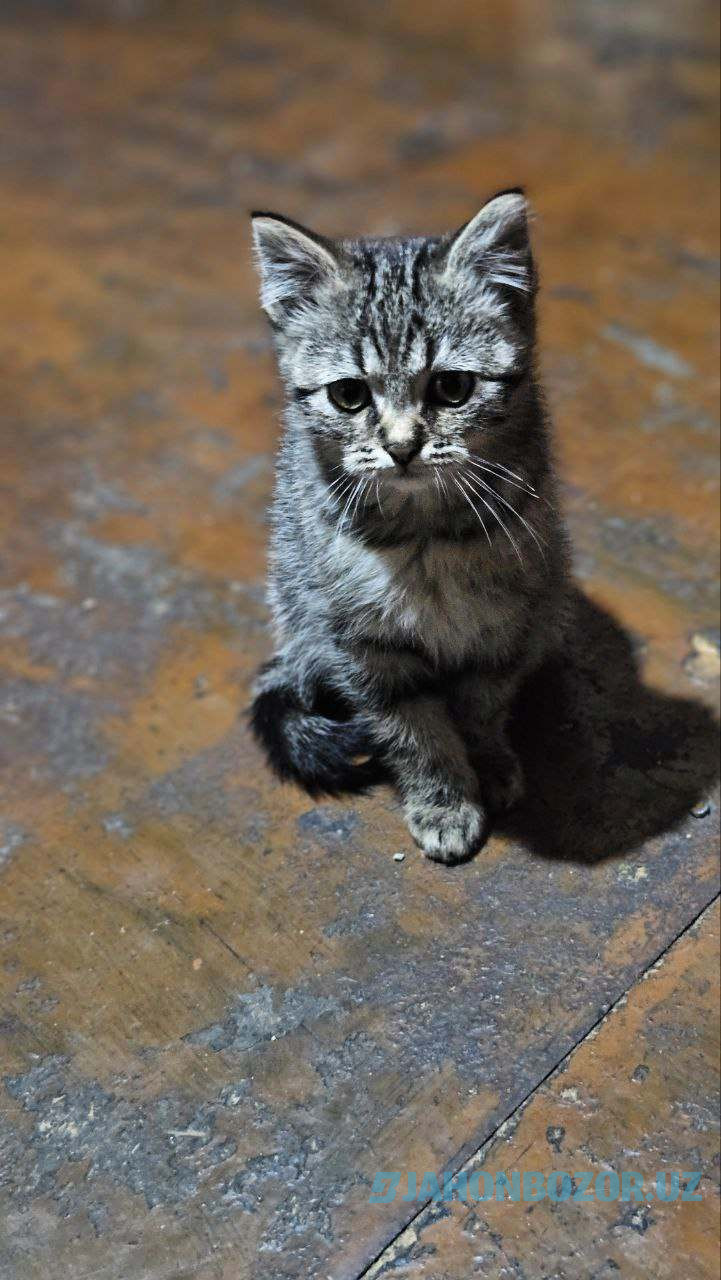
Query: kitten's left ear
(495, 245)
(293, 263)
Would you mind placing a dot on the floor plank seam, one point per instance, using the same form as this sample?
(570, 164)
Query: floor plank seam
(458, 1163)
(205, 924)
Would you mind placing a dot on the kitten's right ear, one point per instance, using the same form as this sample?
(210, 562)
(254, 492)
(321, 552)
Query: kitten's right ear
(293, 262)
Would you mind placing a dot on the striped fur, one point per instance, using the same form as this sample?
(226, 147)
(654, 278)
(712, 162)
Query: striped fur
(410, 599)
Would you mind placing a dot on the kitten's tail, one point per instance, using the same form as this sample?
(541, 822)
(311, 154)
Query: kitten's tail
(318, 748)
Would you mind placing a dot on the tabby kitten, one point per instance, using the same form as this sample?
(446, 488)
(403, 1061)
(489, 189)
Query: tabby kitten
(418, 567)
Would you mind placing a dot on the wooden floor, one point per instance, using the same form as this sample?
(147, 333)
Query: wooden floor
(225, 1008)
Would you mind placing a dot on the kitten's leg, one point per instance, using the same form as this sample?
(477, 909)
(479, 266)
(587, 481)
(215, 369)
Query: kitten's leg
(480, 707)
(429, 763)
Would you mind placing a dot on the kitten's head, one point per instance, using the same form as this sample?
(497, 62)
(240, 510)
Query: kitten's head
(402, 356)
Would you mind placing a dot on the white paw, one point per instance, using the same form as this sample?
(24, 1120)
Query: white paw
(446, 833)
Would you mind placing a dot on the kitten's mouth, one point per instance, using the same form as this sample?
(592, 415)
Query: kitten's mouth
(401, 478)
(404, 473)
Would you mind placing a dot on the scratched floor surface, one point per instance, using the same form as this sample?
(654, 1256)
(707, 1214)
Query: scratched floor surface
(224, 1008)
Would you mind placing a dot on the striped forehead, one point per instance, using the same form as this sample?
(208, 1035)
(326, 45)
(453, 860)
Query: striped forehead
(410, 353)
(394, 332)
(396, 322)
(408, 325)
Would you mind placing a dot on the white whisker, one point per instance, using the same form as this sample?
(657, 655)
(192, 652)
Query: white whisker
(491, 471)
(336, 483)
(365, 484)
(343, 491)
(354, 501)
(341, 522)
(497, 517)
(517, 514)
(471, 504)
(498, 498)
(500, 466)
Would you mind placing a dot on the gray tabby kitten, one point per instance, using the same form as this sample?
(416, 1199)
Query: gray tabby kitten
(418, 568)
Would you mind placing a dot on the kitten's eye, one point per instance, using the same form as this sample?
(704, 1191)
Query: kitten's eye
(450, 388)
(349, 394)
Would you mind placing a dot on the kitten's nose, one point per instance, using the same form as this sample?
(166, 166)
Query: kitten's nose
(402, 453)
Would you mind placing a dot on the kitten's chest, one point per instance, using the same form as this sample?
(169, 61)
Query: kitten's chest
(439, 596)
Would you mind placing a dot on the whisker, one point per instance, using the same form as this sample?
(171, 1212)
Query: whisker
(471, 504)
(498, 498)
(497, 517)
(378, 496)
(517, 514)
(343, 491)
(491, 471)
(354, 488)
(440, 485)
(530, 488)
(336, 483)
(352, 504)
(500, 466)
(359, 499)
(466, 481)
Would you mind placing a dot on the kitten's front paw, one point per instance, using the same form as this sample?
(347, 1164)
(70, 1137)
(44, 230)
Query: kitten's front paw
(446, 833)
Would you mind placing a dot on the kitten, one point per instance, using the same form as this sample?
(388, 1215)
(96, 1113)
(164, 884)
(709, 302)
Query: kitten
(418, 567)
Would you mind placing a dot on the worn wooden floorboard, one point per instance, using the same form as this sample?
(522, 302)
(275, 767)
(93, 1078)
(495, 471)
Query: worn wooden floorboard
(224, 1008)
(640, 1094)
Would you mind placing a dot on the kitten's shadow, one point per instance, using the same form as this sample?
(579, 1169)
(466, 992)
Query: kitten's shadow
(609, 762)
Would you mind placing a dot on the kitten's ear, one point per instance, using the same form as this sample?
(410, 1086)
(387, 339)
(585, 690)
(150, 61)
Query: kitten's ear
(495, 245)
(292, 262)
